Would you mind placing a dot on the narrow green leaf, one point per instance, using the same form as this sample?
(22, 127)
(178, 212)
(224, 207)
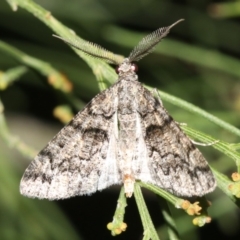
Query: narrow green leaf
(149, 230)
(159, 191)
(117, 226)
(12, 141)
(11, 75)
(223, 183)
(198, 111)
(171, 226)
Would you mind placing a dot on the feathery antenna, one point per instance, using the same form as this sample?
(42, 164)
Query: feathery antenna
(147, 44)
(94, 50)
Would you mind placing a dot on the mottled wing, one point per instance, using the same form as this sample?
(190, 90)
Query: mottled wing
(81, 158)
(174, 163)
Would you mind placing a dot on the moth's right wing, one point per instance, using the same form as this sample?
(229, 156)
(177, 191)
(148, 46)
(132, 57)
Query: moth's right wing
(172, 160)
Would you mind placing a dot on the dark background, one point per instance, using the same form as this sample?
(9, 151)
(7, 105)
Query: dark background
(210, 27)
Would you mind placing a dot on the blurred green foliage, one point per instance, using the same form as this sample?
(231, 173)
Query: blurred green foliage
(198, 62)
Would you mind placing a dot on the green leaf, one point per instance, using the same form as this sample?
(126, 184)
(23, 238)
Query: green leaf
(149, 231)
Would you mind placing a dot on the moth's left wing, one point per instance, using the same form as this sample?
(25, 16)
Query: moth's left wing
(81, 158)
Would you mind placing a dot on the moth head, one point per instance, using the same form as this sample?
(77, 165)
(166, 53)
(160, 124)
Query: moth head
(126, 67)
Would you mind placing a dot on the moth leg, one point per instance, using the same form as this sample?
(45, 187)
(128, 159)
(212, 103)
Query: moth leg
(204, 144)
(156, 93)
(181, 124)
(197, 143)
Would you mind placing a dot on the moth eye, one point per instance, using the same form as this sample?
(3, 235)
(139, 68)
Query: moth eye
(134, 67)
(117, 69)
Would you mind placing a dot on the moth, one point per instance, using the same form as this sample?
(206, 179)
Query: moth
(123, 135)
